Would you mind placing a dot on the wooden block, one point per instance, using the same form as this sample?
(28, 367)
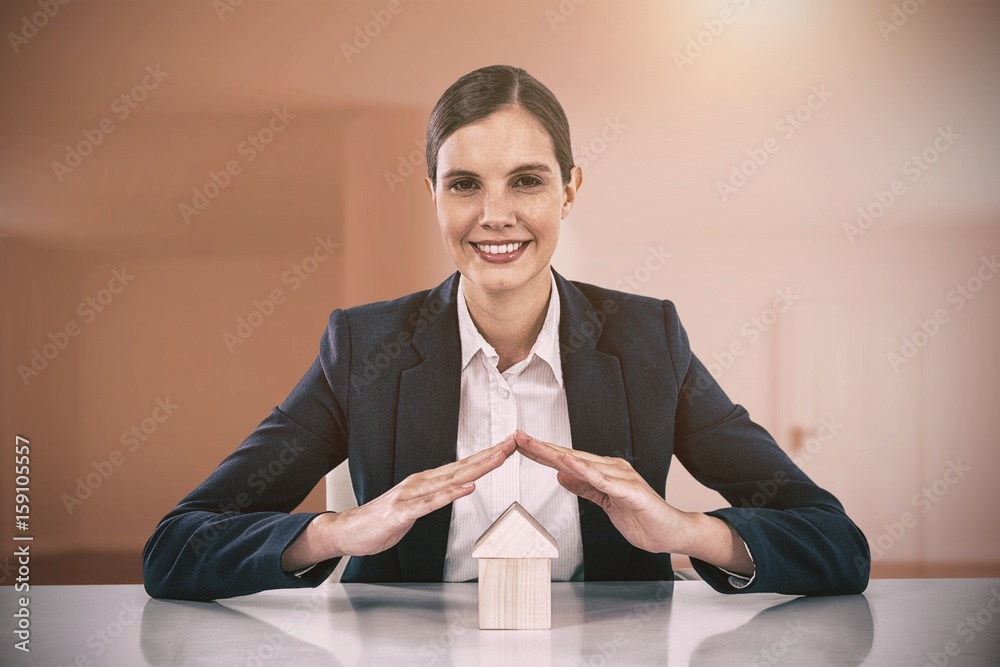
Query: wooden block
(515, 573)
(515, 594)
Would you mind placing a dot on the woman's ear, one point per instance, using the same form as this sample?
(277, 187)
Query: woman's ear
(570, 190)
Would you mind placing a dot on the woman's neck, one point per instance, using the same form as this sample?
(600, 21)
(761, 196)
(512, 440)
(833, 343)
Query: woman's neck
(510, 321)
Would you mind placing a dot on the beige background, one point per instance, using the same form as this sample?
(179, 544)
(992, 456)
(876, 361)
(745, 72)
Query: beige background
(655, 138)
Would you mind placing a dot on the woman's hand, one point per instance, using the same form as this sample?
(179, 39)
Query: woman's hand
(381, 523)
(639, 513)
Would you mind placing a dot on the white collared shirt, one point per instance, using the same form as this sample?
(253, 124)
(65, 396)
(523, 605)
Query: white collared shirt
(530, 396)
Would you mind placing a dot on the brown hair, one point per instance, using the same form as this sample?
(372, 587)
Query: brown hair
(478, 94)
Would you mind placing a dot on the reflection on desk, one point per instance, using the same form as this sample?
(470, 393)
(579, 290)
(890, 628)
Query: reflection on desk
(913, 622)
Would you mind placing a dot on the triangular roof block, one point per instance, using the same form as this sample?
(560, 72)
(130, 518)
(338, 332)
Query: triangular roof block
(515, 534)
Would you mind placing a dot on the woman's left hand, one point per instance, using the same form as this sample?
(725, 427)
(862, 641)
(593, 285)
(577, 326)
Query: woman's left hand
(639, 513)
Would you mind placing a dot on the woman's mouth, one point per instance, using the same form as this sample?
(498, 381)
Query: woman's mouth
(500, 253)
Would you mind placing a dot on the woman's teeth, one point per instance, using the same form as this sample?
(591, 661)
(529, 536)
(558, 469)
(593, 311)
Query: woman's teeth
(498, 249)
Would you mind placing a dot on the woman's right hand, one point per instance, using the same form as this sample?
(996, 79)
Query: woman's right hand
(381, 523)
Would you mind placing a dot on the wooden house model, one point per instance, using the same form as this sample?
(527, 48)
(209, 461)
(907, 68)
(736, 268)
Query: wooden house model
(515, 573)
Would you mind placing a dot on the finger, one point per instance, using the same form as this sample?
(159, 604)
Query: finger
(603, 479)
(549, 450)
(422, 485)
(555, 457)
(542, 457)
(538, 451)
(415, 508)
(581, 488)
(464, 474)
(507, 446)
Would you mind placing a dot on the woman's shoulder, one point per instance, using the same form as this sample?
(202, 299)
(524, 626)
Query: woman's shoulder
(611, 300)
(371, 325)
(388, 308)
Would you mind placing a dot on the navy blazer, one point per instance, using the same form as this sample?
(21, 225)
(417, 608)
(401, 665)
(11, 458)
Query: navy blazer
(384, 394)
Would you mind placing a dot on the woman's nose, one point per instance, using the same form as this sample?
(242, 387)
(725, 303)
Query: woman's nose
(498, 210)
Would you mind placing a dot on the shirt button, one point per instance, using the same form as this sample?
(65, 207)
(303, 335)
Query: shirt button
(504, 393)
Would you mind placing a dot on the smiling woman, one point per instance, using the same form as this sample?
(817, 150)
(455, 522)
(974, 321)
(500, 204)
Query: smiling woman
(500, 201)
(568, 398)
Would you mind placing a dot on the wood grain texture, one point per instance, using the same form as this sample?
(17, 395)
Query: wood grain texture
(516, 534)
(515, 573)
(515, 594)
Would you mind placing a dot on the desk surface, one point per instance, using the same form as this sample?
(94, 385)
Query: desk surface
(896, 622)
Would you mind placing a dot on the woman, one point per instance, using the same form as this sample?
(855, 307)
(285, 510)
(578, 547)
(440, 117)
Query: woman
(506, 382)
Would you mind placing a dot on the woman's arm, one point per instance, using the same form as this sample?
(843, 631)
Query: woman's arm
(226, 538)
(798, 535)
(640, 514)
(801, 539)
(380, 524)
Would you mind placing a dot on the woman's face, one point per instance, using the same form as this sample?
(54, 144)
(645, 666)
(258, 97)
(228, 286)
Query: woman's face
(499, 183)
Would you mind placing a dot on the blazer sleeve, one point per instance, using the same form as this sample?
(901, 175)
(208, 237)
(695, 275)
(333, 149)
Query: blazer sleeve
(798, 534)
(226, 537)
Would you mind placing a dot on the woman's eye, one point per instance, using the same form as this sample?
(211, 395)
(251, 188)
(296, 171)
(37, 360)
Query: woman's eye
(528, 181)
(463, 185)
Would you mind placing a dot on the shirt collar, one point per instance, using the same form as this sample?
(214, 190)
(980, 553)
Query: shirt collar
(546, 346)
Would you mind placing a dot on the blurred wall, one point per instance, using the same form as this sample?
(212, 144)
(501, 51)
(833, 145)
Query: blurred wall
(209, 152)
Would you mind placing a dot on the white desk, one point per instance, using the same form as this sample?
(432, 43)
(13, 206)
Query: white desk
(896, 622)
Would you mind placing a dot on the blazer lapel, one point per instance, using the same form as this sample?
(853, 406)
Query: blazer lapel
(599, 421)
(427, 425)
